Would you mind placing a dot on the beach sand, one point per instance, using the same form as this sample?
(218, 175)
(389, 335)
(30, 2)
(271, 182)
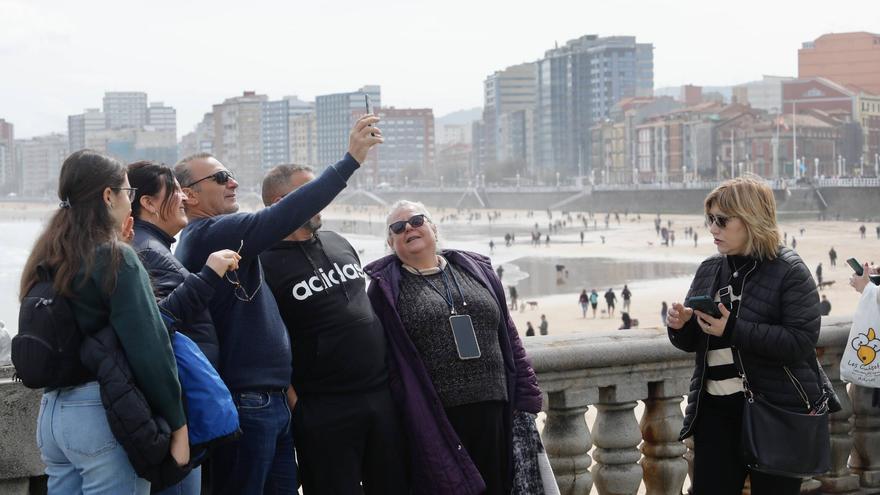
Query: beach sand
(636, 241)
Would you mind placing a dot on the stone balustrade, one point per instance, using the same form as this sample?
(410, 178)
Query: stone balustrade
(614, 373)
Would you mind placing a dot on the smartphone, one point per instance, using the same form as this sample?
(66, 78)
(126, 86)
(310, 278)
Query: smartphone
(465, 337)
(859, 269)
(369, 106)
(856, 266)
(705, 304)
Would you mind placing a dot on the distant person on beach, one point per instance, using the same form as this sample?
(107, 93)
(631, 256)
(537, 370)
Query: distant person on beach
(610, 299)
(458, 406)
(832, 256)
(530, 330)
(345, 425)
(582, 235)
(819, 275)
(594, 301)
(862, 231)
(695, 239)
(878, 231)
(513, 295)
(500, 272)
(626, 321)
(825, 306)
(793, 242)
(626, 295)
(664, 309)
(492, 247)
(584, 301)
(543, 326)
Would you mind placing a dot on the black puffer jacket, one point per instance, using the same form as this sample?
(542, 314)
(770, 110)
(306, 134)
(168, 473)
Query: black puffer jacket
(181, 293)
(777, 325)
(145, 437)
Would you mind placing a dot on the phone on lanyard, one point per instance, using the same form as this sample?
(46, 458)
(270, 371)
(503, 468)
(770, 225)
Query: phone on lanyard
(369, 107)
(465, 337)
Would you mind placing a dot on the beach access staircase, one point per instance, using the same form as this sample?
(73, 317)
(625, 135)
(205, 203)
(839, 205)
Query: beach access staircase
(612, 415)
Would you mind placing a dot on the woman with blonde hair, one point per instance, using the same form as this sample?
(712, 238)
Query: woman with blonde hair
(761, 340)
(457, 368)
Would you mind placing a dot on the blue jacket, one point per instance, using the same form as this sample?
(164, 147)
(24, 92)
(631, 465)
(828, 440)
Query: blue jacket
(183, 294)
(254, 346)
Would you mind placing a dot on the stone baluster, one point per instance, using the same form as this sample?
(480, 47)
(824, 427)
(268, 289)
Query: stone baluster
(839, 479)
(865, 457)
(567, 440)
(617, 436)
(689, 457)
(664, 466)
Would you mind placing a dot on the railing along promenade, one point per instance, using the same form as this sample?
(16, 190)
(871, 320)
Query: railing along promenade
(613, 375)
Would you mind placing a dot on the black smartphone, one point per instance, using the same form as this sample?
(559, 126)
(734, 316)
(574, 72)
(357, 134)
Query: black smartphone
(465, 336)
(856, 266)
(369, 107)
(705, 304)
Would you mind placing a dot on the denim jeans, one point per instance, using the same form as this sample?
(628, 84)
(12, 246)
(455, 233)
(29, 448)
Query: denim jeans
(191, 485)
(262, 460)
(80, 452)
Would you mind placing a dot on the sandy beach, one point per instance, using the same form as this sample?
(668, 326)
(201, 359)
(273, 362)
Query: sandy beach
(634, 241)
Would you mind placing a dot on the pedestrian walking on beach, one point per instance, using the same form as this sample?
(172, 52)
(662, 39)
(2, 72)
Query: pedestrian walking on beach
(513, 295)
(610, 299)
(458, 406)
(695, 239)
(878, 231)
(832, 256)
(584, 301)
(543, 326)
(500, 272)
(582, 236)
(663, 311)
(491, 247)
(819, 275)
(530, 330)
(547, 240)
(626, 294)
(793, 242)
(862, 231)
(772, 344)
(594, 301)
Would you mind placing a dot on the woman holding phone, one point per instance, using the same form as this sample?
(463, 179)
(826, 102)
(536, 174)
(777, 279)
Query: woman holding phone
(767, 326)
(458, 370)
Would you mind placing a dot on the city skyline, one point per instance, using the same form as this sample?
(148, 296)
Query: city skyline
(196, 55)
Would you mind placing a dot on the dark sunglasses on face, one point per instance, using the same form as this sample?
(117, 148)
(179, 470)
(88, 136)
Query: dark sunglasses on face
(719, 220)
(221, 177)
(416, 221)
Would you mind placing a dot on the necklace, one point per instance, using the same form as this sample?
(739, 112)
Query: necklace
(737, 268)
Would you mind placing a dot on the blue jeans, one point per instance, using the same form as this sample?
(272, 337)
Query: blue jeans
(262, 460)
(80, 452)
(191, 485)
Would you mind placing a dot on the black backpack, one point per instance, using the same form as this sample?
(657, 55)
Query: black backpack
(45, 352)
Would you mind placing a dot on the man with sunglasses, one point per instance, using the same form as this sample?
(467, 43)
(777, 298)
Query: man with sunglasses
(255, 353)
(345, 425)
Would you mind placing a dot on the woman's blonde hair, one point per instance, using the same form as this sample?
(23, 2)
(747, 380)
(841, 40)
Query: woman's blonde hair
(751, 200)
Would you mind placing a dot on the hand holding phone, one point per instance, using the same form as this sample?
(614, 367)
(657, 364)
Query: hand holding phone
(856, 266)
(705, 304)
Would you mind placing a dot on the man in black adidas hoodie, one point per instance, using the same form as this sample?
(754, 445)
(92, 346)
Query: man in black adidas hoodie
(346, 428)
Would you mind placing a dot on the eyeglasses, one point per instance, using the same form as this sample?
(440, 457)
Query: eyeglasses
(239, 290)
(131, 191)
(221, 177)
(719, 220)
(416, 221)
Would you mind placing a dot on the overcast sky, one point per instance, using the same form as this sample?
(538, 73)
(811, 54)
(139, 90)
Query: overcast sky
(58, 57)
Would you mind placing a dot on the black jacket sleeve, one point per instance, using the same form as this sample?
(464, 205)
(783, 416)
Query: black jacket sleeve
(183, 299)
(794, 338)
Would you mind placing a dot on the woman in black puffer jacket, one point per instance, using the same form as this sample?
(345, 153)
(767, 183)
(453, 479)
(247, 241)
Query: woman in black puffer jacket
(769, 321)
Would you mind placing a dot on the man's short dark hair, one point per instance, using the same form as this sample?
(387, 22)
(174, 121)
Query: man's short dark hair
(277, 180)
(182, 170)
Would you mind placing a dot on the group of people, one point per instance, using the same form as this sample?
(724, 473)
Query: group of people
(591, 300)
(411, 383)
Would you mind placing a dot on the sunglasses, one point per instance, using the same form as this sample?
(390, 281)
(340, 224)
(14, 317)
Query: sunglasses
(416, 221)
(239, 290)
(131, 191)
(221, 177)
(719, 220)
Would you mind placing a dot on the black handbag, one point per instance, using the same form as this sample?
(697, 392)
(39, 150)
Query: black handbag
(783, 442)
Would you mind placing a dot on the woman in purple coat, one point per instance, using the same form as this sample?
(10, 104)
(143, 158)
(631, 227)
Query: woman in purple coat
(457, 392)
